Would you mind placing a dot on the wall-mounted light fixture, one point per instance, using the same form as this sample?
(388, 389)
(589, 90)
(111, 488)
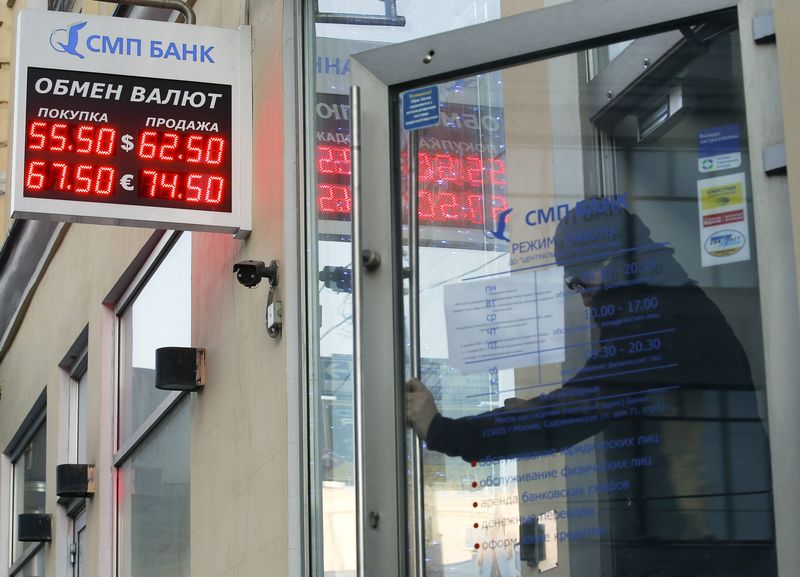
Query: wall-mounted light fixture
(34, 527)
(75, 480)
(180, 369)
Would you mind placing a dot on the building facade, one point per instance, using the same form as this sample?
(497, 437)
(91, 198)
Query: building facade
(574, 222)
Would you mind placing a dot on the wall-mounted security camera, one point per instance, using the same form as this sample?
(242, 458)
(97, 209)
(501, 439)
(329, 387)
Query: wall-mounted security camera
(250, 272)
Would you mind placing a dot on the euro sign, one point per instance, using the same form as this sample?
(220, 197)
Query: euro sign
(126, 182)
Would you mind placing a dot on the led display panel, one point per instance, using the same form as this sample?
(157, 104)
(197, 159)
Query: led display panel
(162, 145)
(125, 159)
(461, 166)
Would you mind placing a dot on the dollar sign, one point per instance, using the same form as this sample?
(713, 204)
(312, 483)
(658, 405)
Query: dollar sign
(127, 143)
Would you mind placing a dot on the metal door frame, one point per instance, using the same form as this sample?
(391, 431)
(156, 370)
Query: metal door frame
(378, 77)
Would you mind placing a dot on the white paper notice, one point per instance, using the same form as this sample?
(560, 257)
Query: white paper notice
(505, 323)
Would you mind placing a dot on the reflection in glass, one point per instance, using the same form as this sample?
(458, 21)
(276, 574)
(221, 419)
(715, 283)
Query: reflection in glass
(159, 317)
(330, 328)
(82, 387)
(594, 347)
(153, 492)
(29, 488)
(80, 558)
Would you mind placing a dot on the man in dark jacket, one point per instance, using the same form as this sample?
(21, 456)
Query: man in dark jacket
(693, 498)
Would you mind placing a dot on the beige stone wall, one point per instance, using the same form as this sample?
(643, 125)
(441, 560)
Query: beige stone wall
(239, 423)
(787, 20)
(88, 263)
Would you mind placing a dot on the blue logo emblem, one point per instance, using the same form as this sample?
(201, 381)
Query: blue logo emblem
(66, 39)
(502, 222)
(725, 243)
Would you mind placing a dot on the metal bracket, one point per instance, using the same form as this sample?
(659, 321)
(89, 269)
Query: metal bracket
(374, 519)
(774, 158)
(390, 17)
(764, 28)
(177, 5)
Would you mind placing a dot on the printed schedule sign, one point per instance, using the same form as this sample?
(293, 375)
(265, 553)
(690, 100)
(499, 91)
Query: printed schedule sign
(162, 145)
(505, 323)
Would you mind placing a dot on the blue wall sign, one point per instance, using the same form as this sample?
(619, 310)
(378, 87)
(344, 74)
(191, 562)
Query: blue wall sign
(719, 148)
(421, 108)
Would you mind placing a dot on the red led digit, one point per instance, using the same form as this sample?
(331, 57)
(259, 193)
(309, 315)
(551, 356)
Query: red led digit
(85, 137)
(194, 149)
(106, 139)
(37, 135)
(447, 168)
(475, 203)
(168, 146)
(427, 207)
(58, 137)
(215, 150)
(334, 199)
(497, 170)
(153, 175)
(147, 144)
(499, 204)
(215, 189)
(193, 189)
(169, 180)
(333, 159)
(36, 176)
(425, 168)
(448, 207)
(83, 177)
(61, 179)
(474, 170)
(325, 159)
(106, 178)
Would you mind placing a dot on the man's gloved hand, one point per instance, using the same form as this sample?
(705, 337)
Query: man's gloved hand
(420, 407)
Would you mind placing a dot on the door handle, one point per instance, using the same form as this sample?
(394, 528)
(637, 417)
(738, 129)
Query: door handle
(358, 389)
(418, 502)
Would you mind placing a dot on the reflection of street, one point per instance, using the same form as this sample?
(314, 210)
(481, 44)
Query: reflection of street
(339, 529)
(462, 550)
(496, 555)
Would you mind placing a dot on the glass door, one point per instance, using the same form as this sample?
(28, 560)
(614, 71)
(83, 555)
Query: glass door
(560, 359)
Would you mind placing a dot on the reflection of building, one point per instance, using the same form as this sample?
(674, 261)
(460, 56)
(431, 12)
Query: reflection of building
(257, 473)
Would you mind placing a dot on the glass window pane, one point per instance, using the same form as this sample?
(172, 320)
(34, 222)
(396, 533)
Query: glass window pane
(331, 329)
(34, 567)
(153, 494)
(29, 483)
(159, 317)
(590, 318)
(80, 558)
(83, 397)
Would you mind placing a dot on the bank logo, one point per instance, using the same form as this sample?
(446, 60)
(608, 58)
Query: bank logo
(724, 243)
(65, 40)
(502, 223)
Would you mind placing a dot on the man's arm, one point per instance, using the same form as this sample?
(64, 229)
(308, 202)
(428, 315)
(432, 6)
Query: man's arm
(518, 428)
